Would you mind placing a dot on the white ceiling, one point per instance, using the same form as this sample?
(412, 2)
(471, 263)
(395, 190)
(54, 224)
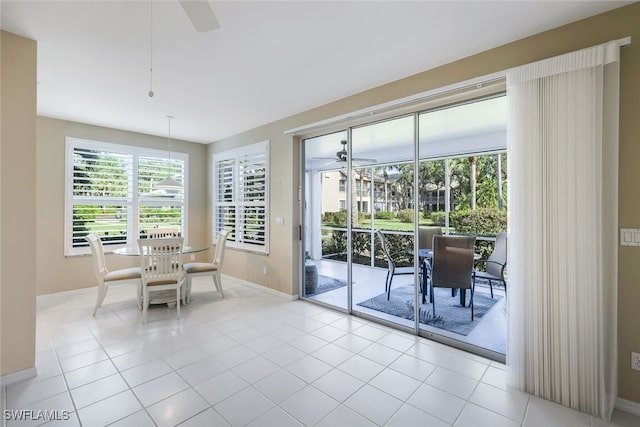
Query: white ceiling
(269, 60)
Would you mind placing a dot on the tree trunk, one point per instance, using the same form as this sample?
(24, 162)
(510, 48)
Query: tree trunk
(473, 180)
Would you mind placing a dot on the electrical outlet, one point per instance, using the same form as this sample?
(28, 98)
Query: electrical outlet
(264, 270)
(635, 361)
(192, 257)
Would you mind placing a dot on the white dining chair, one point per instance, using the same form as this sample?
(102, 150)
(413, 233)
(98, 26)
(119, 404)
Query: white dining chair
(195, 269)
(157, 233)
(161, 267)
(108, 278)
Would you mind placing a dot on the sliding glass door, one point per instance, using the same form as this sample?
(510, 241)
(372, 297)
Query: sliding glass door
(326, 212)
(367, 212)
(382, 232)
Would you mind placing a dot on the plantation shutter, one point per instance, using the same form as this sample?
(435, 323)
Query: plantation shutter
(100, 195)
(110, 191)
(241, 199)
(159, 208)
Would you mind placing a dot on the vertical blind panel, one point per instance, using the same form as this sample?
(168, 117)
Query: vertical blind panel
(101, 173)
(109, 222)
(562, 343)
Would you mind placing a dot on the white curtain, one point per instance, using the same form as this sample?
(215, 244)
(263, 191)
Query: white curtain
(563, 168)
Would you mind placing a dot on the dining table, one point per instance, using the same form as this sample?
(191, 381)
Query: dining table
(159, 297)
(134, 250)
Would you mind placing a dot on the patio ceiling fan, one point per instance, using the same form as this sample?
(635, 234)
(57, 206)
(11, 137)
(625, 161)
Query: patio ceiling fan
(341, 156)
(200, 14)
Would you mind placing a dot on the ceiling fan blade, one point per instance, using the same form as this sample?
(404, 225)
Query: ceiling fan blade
(200, 14)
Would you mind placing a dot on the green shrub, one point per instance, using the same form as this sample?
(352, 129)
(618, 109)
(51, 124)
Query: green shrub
(400, 247)
(384, 215)
(336, 244)
(479, 221)
(405, 215)
(338, 219)
(438, 218)
(361, 243)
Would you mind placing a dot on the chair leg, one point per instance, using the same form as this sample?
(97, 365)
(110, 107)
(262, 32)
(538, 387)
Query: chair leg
(178, 292)
(145, 304)
(187, 292)
(389, 287)
(432, 299)
(102, 292)
(140, 298)
(473, 287)
(217, 280)
(386, 282)
(491, 287)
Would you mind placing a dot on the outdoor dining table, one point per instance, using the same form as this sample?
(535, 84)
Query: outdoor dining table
(427, 254)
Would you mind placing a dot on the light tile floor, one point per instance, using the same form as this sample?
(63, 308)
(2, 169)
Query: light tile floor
(257, 359)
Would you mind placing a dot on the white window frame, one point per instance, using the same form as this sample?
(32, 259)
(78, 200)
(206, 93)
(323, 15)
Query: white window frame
(133, 201)
(234, 158)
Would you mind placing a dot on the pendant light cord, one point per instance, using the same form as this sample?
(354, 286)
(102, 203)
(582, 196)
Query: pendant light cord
(169, 133)
(151, 49)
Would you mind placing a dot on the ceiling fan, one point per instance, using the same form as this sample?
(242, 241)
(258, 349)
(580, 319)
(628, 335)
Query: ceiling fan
(341, 156)
(200, 14)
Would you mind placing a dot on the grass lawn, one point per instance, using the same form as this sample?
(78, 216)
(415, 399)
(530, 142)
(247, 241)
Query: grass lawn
(387, 224)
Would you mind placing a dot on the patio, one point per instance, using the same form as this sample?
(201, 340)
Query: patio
(368, 282)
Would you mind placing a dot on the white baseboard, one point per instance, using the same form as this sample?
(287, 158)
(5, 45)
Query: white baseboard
(628, 406)
(18, 376)
(263, 288)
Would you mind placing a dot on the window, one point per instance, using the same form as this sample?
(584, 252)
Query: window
(342, 185)
(109, 191)
(241, 205)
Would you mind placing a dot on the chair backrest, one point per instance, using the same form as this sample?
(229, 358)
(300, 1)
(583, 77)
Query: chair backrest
(97, 252)
(498, 256)
(222, 242)
(156, 233)
(425, 236)
(452, 261)
(385, 249)
(160, 259)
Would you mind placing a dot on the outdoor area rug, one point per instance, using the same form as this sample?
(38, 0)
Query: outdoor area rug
(326, 284)
(450, 315)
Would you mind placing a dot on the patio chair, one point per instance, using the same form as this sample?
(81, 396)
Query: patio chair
(494, 265)
(392, 269)
(425, 241)
(108, 278)
(452, 265)
(161, 266)
(425, 236)
(213, 268)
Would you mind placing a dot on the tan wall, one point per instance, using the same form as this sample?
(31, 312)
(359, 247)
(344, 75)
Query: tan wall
(17, 203)
(55, 272)
(285, 162)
